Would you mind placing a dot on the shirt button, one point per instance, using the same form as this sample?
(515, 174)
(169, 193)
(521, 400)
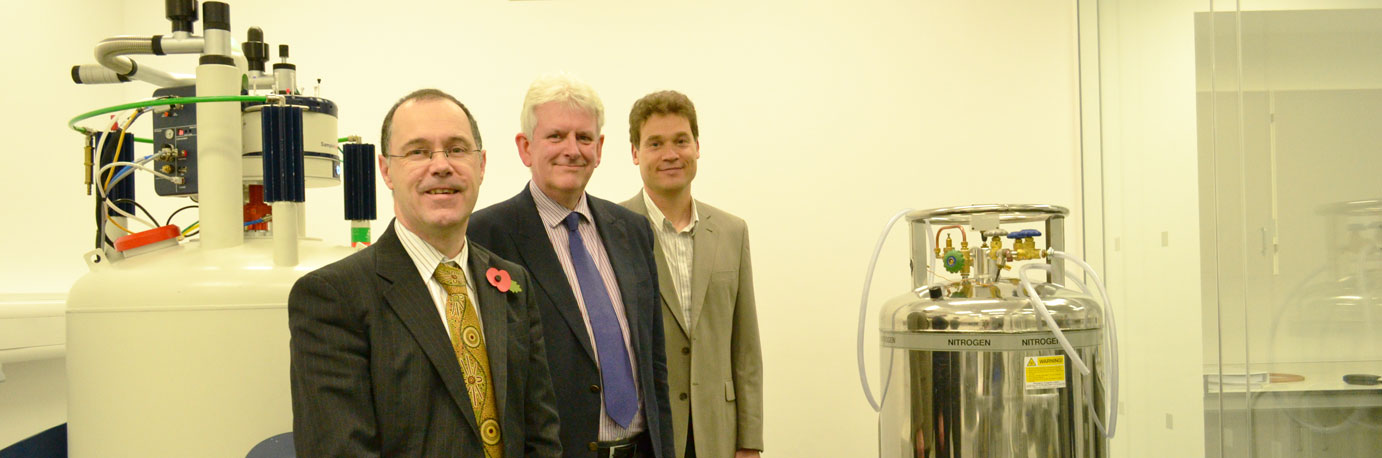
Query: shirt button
(594, 388)
(685, 350)
(682, 396)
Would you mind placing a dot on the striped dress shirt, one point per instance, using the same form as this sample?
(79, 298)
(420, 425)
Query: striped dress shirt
(426, 258)
(552, 214)
(678, 247)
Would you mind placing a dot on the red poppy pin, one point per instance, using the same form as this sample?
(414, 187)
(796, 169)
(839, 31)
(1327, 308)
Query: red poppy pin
(500, 280)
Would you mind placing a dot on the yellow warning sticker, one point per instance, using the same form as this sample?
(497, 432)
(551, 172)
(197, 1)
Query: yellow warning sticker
(1044, 372)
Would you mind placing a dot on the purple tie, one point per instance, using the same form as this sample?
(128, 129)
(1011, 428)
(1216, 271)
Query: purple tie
(621, 398)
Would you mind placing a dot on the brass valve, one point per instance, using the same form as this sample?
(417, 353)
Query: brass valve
(1026, 250)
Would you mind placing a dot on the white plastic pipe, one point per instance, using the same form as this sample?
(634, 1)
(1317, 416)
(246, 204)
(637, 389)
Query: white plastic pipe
(182, 43)
(285, 229)
(1040, 306)
(863, 314)
(257, 79)
(218, 148)
(111, 51)
(1110, 328)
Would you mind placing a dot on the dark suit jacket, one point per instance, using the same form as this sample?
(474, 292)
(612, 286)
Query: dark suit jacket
(374, 374)
(514, 230)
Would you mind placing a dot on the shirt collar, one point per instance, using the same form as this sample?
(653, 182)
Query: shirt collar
(655, 214)
(426, 257)
(553, 213)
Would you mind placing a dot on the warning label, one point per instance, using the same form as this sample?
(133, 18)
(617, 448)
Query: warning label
(1043, 372)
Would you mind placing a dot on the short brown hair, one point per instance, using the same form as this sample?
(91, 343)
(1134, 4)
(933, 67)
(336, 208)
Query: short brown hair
(664, 103)
(426, 94)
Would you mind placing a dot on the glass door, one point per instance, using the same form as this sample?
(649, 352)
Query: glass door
(1289, 127)
(1233, 157)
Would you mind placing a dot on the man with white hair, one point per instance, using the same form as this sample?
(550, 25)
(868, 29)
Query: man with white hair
(592, 266)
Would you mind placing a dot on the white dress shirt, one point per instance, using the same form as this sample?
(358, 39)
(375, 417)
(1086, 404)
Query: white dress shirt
(678, 246)
(426, 258)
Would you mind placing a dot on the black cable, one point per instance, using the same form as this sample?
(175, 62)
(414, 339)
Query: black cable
(141, 207)
(175, 213)
(100, 224)
(95, 143)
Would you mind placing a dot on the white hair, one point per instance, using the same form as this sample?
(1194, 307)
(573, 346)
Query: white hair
(560, 88)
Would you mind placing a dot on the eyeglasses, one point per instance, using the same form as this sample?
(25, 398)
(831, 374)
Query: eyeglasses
(420, 155)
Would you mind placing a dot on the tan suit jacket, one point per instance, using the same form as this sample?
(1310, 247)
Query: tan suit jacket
(714, 373)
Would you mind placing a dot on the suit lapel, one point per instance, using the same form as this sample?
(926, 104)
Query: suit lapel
(408, 297)
(494, 313)
(668, 290)
(705, 248)
(530, 238)
(670, 299)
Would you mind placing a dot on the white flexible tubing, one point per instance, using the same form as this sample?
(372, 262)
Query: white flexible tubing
(1068, 276)
(864, 310)
(112, 206)
(109, 206)
(127, 171)
(1089, 387)
(1040, 306)
(140, 166)
(1112, 329)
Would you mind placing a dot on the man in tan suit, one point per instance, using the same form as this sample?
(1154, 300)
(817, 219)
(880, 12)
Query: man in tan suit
(714, 361)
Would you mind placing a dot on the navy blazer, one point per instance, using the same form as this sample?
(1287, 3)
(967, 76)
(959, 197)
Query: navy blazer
(374, 373)
(514, 230)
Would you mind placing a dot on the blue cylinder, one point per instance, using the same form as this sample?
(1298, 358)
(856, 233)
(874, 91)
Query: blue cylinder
(284, 180)
(359, 182)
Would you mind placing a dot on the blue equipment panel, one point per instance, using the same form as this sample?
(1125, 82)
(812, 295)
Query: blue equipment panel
(175, 131)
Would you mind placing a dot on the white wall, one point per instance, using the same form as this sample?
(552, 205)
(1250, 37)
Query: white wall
(43, 192)
(51, 216)
(818, 121)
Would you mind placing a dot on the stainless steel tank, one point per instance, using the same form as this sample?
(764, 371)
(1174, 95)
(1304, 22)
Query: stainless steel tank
(971, 370)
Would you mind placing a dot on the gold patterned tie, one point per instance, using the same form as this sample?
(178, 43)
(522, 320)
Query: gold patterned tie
(469, 345)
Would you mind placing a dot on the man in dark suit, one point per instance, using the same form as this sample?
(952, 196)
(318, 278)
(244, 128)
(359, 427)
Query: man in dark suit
(594, 278)
(398, 350)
